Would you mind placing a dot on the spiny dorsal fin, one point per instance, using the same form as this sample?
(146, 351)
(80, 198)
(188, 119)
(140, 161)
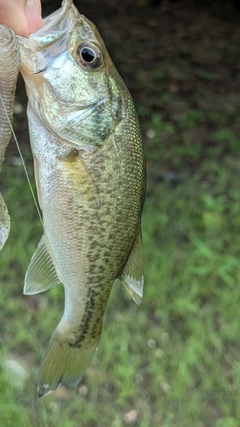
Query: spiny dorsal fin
(132, 274)
(41, 274)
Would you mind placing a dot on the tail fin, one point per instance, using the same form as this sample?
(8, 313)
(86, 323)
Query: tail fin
(64, 362)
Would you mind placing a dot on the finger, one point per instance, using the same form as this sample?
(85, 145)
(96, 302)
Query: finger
(33, 16)
(23, 17)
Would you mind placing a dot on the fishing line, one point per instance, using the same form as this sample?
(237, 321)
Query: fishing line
(22, 160)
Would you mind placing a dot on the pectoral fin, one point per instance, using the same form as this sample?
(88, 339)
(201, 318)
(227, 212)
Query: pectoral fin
(79, 180)
(132, 274)
(41, 273)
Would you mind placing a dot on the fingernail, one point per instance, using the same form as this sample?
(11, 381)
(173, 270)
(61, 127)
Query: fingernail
(34, 4)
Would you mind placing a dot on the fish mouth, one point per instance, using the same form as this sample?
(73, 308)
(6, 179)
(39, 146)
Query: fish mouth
(55, 30)
(54, 26)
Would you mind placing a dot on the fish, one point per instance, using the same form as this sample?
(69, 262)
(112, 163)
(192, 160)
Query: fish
(9, 69)
(89, 170)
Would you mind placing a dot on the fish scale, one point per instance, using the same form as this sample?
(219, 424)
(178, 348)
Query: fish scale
(90, 177)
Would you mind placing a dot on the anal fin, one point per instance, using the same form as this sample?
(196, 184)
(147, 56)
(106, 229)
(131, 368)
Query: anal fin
(41, 273)
(132, 274)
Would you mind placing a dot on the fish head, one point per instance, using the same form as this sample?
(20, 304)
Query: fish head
(72, 85)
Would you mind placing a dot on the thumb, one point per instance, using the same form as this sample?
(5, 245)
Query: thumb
(33, 15)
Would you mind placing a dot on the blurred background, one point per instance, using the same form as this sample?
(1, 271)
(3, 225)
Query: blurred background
(174, 361)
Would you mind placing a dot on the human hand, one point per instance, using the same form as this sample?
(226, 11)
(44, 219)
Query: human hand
(22, 16)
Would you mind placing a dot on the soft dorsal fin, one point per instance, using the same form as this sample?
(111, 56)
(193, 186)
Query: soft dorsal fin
(132, 273)
(41, 273)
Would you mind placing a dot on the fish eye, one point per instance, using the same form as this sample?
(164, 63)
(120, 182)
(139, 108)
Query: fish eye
(89, 56)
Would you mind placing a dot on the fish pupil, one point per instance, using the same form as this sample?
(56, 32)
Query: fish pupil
(88, 55)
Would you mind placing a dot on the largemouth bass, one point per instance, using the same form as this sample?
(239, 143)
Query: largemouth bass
(9, 67)
(90, 175)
